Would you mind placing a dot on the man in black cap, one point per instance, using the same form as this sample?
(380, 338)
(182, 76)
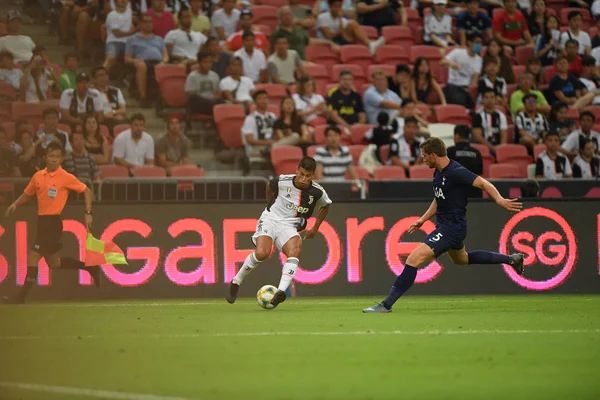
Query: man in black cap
(235, 41)
(76, 103)
(20, 46)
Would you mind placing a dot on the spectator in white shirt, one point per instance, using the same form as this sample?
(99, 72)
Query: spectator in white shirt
(257, 131)
(464, 68)
(8, 72)
(438, 27)
(119, 26)
(20, 46)
(183, 44)
(575, 33)
(202, 86)
(134, 147)
(224, 20)
(115, 108)
(255, 63)
(576, 139)
(552, 164)
(284, 64)
(77, 103)
(237, 88)
(35, 82)
(586, 165)
(310, 105)
(50, 132)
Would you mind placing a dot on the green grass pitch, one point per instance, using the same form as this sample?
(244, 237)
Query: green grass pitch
(500, 347)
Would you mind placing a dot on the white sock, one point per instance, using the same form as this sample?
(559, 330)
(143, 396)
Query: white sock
(250, 263)
(287, 273)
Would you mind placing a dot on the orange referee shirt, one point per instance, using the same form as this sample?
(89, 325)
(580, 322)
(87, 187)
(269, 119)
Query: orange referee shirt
(52, 190)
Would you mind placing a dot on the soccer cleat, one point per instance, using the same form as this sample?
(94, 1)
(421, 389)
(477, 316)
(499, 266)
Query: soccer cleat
(377, 308)
(232, 293)
(12, 300)
(516, 262)
(279, 297)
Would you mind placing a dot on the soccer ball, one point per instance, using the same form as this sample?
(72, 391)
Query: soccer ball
(264, 296)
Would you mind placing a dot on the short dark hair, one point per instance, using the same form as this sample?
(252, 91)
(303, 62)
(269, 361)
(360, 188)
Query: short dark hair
(489, 60)
(183, 9)
(236, 59)
(552, 133)
(587, 114)
(248, 34)
(383, 118)
(574, 14)
(464, 131)
(561, 57)
(571, 41)
(583, 142)
(588, 61)
(258, 93)
(529, 96)
(70, 55)
(202, 55)
(434, 145)
(411, 120)
(333, 1)
(280, 36)
(473, 37)
(407, 101)
(55, 145)
(98, 68)
(50, 111)
(19, 124)
(211, 39)
(332, 128)
(345, 72)
(77, 132)
(308, 163)
(137, 117)
(487, 90)
(530, 189)
(402, 68)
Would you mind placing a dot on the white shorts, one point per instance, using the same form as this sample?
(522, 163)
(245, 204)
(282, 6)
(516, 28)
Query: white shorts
(278, 231)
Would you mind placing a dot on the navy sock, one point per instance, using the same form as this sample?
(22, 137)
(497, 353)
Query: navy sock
(403, 282)
(30, 280)
(487, 257)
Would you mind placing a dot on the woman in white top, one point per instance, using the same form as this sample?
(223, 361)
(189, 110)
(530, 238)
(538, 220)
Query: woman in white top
(310, 105)
(35, 82)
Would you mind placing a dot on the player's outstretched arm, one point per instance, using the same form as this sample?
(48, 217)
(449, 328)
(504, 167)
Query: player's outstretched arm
(23, 199)
(511, 205)
(311, 233)
(428, 214)
(87, 197)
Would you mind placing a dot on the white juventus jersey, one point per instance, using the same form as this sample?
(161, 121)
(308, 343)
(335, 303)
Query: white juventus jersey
(292, 205)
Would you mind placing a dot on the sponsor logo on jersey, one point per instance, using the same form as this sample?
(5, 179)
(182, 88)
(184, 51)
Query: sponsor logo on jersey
(299, 209)
(438, 193)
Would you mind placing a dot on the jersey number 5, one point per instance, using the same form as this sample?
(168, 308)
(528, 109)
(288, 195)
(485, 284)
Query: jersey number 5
(436, 238)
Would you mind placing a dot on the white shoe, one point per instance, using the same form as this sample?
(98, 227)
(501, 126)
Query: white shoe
(374, 44)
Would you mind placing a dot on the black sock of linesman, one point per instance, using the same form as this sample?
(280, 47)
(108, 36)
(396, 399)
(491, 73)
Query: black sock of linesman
(30, 280)
(71, 263)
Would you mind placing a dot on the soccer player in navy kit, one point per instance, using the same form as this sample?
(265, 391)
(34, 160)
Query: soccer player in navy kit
(451, 184)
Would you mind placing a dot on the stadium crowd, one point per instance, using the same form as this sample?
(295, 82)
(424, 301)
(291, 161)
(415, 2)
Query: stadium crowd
(356, 84)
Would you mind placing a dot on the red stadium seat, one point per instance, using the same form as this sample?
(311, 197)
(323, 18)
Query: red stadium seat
(593, 193)
(551, 193)
(426, 111)
(594, 110)
(519, 70)
(187, 171)
(275, 91)
(285, 159)
(163, 72)
(398, 35)
(483, 149)
(429, 52)
(7, 92)
(171, 83)
(31, 112)
(149, 171)
(384, 153)
(421, 172)
(417, 34)
(573, 113)
(265, 15)
(537, 150)
(390, 70)
(113, 171)
(510, 89)
(414, 19)
(389, 172)
(358, 132)
(356, 54)
(486, 157)
(391, 54)
(274, 3)
(229, 119)
(370, 31)
(503, 171)
(356, 150)
(359, 74)
(524, 54)
(117, 129)
(9, 128)
(515, 154)
(320, 74)
(452, 114)
(323, 55)
(312, 150)
(362, 173)
(104, 131)
(548, 73)
(3, 29)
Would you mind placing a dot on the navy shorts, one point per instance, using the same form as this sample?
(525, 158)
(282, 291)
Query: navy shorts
(49, 230)
(446, 238)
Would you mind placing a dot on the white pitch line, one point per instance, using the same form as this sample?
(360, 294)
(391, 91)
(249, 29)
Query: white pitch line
(85, 392)
(223, 303)
(309, 333)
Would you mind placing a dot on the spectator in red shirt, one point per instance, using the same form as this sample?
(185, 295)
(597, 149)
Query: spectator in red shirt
(510, 26)
(162, 21)
(235, 42)
(572, 52)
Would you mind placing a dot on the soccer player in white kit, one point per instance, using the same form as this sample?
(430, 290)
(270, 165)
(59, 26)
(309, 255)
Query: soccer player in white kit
(292, 200)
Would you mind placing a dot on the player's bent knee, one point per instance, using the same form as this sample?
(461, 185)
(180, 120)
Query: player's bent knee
(294, 252)
(420, 256)
(262, 254)
(33, 258)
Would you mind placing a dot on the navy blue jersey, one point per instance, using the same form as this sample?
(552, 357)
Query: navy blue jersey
(451, 189)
